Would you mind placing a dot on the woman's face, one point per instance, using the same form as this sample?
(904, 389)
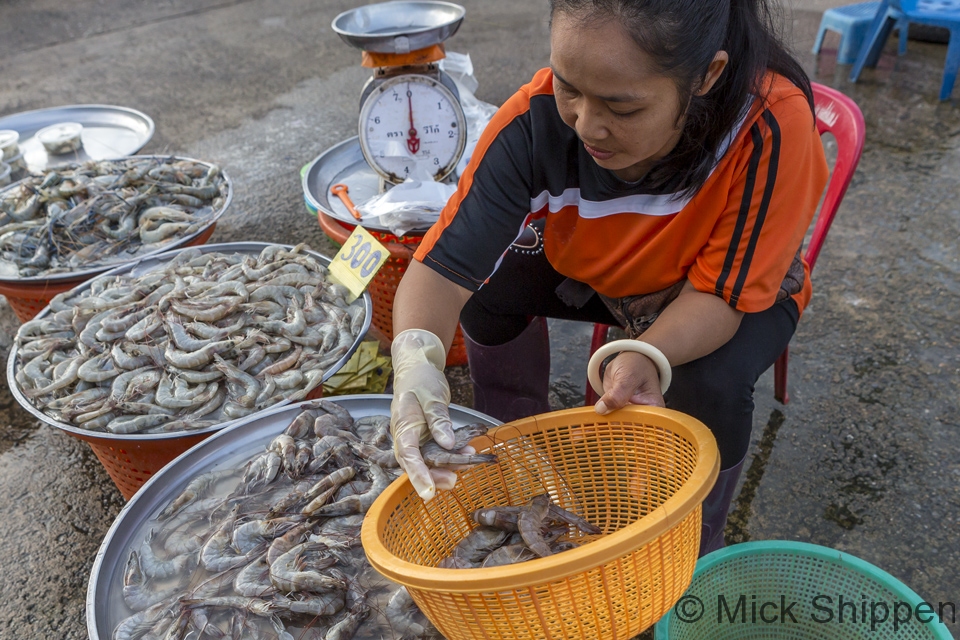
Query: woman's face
(625, 114)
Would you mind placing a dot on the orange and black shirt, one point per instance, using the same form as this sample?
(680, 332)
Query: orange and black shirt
(735, 237)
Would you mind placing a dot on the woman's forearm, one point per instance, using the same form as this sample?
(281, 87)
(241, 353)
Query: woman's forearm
(427, 300)
(692, 326)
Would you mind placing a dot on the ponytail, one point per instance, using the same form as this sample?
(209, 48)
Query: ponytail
(753, 36)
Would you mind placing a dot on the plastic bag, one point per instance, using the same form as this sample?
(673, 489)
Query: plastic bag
(412, 204)
(478, 113)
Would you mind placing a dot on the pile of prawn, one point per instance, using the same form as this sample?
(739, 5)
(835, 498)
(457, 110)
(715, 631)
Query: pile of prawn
(271, 548)
(104, 212)
(512, 534)
(205, 338)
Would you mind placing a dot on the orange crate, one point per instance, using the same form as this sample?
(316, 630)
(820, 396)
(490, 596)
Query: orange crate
(383, 287)
(640, 474)
(29, 299)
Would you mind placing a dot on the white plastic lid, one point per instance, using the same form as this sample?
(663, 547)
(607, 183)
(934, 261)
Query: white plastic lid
(59, 133)
(8, 138)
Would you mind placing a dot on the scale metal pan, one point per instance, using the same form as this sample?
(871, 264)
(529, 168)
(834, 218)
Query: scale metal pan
(399, 26)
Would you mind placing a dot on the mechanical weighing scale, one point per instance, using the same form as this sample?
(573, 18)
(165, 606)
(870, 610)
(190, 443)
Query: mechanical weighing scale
(411, 122)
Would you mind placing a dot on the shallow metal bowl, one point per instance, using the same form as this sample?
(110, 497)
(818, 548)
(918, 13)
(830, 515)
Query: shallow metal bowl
(399, 27)
(175, 243)
(108, 132)
(138, 268)
(224, 450)
(343, 163)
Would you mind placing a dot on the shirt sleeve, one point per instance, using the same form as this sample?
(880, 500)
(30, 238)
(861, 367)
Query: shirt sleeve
(492, 202)
(769, 207)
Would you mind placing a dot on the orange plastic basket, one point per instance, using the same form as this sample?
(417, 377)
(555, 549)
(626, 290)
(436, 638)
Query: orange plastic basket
(640, 474)
(29, 298)
(131, 462)
(383, 287)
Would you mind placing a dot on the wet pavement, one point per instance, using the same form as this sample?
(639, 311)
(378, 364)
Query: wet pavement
(864, 458)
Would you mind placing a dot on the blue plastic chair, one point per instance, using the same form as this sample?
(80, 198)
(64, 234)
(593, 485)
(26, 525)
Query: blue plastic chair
(935, 13)
(852, 22)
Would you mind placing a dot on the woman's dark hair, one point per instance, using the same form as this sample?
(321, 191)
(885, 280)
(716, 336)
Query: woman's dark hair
(682, 37)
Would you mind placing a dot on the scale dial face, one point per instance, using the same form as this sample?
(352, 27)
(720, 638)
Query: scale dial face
(412, 122)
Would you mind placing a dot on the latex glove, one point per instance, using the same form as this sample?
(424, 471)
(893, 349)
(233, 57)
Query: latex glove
(630, 378)
(420, 408)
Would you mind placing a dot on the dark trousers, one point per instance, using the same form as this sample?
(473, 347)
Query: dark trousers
(717, 389)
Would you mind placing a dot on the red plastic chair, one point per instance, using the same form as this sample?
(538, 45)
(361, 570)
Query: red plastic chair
(836, 114)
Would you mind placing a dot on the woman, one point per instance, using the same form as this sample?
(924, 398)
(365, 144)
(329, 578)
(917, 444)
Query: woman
(670, 163)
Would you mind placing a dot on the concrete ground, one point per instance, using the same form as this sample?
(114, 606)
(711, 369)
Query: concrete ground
(863, 459)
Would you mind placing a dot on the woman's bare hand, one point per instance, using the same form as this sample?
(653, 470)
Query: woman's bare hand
(630, 378)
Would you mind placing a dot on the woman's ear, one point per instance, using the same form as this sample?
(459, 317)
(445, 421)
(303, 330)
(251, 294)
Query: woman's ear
(717, 65)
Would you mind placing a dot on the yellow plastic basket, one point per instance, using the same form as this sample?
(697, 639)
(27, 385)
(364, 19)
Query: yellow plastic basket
(640, 474)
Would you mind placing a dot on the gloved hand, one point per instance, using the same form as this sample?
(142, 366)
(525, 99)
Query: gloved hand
(420, 408)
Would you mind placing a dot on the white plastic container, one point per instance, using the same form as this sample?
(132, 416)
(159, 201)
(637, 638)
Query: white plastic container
(61, 138)
(5, 172)
(8, 144)
(18, 166)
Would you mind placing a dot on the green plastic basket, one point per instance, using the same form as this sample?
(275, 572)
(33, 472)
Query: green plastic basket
(725, 600)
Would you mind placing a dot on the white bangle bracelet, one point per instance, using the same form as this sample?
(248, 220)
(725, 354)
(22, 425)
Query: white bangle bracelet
(645, 348)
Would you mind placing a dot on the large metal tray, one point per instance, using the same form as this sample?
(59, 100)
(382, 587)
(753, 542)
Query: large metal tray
(108, 132)
(138, 268)
(344, 163)
(400, 26)
(223, 450)
(175, 243)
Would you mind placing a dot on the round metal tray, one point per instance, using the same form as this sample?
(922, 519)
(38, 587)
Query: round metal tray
(400, 26)
(223, 450)
(138, 268)
(175, 243)
(344, 163)
(108, 132)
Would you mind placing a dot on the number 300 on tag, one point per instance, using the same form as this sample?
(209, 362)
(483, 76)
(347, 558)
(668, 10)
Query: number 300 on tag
(358, 261)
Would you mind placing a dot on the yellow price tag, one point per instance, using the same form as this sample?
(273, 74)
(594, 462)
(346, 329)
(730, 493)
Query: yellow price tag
(360, 257)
